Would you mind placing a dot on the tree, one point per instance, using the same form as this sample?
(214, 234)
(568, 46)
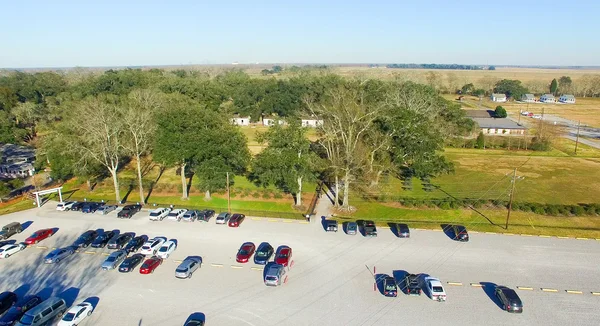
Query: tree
(287, 161)
(467, 89)
(480, 142)
(553, 86)
(479, 92)
(565, 84)
(512, 88)
(500, 112)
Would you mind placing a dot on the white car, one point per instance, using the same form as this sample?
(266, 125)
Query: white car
(152, 245)
(65, 206)
(435, 288)
(11, 249)
(176, 214)
(166, 249)
(76, 314)
(159, 214)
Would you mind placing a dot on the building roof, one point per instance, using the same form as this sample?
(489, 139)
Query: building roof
(10, 153)
(497, 123)
(548, 96)
(479, 113)
(568, 96)
(528, 95)
(498, 95)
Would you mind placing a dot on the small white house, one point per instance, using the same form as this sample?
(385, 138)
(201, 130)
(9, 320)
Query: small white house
(270, 121)
(570, 99)
(240, 121)
(498, 97)
(529, 98)
(311, 122)
(547, 98)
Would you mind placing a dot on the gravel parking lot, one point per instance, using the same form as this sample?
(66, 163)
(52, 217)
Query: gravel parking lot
(331, 282)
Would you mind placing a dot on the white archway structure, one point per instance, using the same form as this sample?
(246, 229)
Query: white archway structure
(45, 192)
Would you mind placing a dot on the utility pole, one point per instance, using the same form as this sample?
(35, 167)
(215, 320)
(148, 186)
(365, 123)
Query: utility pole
(542, 124)
(577, 140)
(228, 195)
(512, 193)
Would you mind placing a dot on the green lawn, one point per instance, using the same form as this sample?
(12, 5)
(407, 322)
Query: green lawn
(20, 205)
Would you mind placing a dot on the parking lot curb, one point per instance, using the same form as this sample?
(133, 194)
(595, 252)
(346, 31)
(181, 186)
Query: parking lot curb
(41, 247)
(216, 265)
(549, 290)
(257, 268)
(595, 293)
(525, 288)
(455, 283)
(574, 292)
(237, 266)
(89, 252)
(477, 285)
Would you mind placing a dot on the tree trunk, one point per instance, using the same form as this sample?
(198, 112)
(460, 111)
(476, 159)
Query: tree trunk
(346, 190)
(378, 176)
(183, 183)
(299, 193)
(113, 172)
(89, 184)
(207, 195)
(139, 173)
(337, 192)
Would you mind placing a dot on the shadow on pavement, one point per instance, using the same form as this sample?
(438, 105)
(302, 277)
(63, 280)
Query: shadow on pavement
(489, 288)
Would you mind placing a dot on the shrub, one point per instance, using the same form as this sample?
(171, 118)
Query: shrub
(590, 210)
(266, 194)
(408, 203)
(480, 142)
(454, 204)
(538, 209)
(577, 210)
(255, 194)
(244, 193)
(278, 195)
(552, 210)
(444, 205)
(526, 207)
(564, 210)
(500, 112)
(540, 144)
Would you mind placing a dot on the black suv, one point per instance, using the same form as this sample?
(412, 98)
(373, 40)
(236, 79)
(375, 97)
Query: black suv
(85, 239)
(117, 242)
(129, 210)
(135, 244)
(205, 215)
(78, 206)
(369, 229)
(102, 239)
(509, 299)
(411, 285)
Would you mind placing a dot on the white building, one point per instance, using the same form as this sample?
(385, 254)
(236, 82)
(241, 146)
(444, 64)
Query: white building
(570, 99)
(269, 121)
(240, 121)
(311, 122)
(16, 161)
(499, 97)
(547, 98)
(530, 98)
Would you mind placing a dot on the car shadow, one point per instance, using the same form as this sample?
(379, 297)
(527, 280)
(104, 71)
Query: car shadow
(196, 316)
(422, 284)
(176, 242)
(394, 229)
(448, 231)
(45, 293)
(54, 230)
(69, 295)
(345, 227)
(26, 225)
(400, 276)
(93, 301)
(22, 290)
(489, 288)
(379, 282)
(7, 242)
(324, 223)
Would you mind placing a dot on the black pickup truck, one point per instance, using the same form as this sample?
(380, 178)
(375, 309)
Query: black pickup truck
(370, 230)
(411, 285)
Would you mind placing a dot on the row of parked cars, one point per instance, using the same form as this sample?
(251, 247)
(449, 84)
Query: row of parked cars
(31, 310)
(275, 270)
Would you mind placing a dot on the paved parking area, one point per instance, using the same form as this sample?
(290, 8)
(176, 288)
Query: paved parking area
(331, 282)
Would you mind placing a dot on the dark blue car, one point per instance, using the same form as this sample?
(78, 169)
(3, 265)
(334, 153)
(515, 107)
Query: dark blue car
(263, 253)
(389, 287)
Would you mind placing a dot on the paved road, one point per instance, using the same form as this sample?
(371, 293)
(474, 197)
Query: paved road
(331, 282)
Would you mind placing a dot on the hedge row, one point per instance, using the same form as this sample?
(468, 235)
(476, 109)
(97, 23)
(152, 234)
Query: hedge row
(537, 208)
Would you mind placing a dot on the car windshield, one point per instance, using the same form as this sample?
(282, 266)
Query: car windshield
(26, 320)
(182, 270)
(173, 214)
(111, 258)
(261, 253)
(154, 214)
(438, 289)
(390, 287)
(243, 252)
(146, 247)
(69, 317)
(163, 249)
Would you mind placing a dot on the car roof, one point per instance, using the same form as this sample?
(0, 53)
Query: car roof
(509, 293)
(43, 306)
(168, 243)
(177, 210)
(156, 210)
(285, 250)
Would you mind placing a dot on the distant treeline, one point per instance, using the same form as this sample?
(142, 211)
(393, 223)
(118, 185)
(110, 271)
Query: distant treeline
(438, 66)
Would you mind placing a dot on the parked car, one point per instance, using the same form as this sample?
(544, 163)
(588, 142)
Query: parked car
(150, 265)
(236, 220)
(275, 275)
(43, 313)
(351, 228)
(187, 267)
(176, 214)
(159, 214)
(38, 236)
(85, 239)
(129, 210)
(105, 209)
(191, 215)
(283, 256)
(370, 230)
(331, 225)
(435, 289)
(7, 300)
(263, 253)
(18, 309)
(114, 259)
(65, 206)
(194, 322)
(135, 244)
(460, 233)
(245, 252)
(58, 254)
(120, 240)
(76, 314)
(102, 239)
(152, 245)
(222, 218)
(509, 299)
(167, 249)
(402, 230)
(389, 287)
(411, 284)
(11, 249)
(77, 206)
(10, 229)
(205, 215)
(91, 207)
(130, 263)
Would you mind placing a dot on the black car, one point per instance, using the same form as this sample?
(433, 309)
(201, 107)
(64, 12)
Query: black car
(389, 287)
(130, 263)
(21, 307)
(411, 285)
(331, 226)
(509, 299)
(205, 215)
(460, 233)
(135, 244)
(78, 206)
(129, 210)
(263, 253)
(7, 300)
(369, 229)
(91, 207)
(402, 230)
(85, 239)
(118, 241)
(102, 239)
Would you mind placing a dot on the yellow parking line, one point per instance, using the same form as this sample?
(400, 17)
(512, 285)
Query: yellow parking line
(598, 239)
(216, 265)
(303, 222)
(489, 232)
(478, 285)
(256, 218)
(525, 288)
(288, 221)
(438, 230)
(582, 238)
(526, 235)
(469, 231)
(272, 220)
(549, 290)
(562, 237)
(419, 229)
(42, 247)
(256, 268)
(455, 283)
(508, 233)
(384, 227)
(237, 266)
(105, 254)
(595, 293)
(89, 252)
(543, 236)
(53, 248)
(574, 291)
(177, 261)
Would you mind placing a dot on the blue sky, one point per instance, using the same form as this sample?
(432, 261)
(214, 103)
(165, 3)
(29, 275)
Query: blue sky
(126, 33)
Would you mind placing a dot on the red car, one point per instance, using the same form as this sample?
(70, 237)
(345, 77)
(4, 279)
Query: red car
(246, 251)
(283, 256)
(39, 235)
(150, 265)
(236, 220)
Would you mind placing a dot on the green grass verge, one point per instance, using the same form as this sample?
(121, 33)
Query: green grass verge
(18, 206)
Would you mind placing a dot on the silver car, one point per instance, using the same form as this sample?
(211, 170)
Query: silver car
(223, 218)
(188, 267)
(57, 255)
(103, 210)
(275, 275)
(115, 259)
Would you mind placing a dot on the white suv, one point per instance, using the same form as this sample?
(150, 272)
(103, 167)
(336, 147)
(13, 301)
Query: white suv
(65, 206)
(176, 214)
(159, 214)
(152, 245)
